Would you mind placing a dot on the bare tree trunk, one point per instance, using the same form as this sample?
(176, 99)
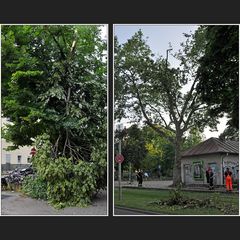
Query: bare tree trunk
(177, 162)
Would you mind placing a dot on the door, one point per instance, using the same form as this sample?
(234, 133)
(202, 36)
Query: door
(213, 166)
(187, 174)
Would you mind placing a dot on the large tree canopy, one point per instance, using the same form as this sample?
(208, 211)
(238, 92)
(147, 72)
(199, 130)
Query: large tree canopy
(133, 145)
(54, 82)
(164, 97)
(218, 72)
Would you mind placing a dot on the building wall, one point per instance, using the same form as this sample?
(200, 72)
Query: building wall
(193, 168)
(232, 162)
(18, 158)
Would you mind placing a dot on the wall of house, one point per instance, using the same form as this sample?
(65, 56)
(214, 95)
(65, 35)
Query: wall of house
(232, 162)
(18, 158)
(193, 168)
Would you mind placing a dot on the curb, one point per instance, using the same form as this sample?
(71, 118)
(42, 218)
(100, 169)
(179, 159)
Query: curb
(136, 210)
(185, 190)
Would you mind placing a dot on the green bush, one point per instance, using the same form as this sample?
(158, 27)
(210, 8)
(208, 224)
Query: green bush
(68, 182)
(35, 187)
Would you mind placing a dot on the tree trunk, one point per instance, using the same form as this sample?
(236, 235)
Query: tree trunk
(177, 162)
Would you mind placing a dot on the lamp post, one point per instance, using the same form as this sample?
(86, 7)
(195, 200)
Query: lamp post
(168, 50)
(119, 127)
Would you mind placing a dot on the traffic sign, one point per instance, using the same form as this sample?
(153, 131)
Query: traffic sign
(33, 151)
(119, 158)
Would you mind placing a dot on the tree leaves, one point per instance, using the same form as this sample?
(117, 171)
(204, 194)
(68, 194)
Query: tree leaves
(218, 73)
(54, 81)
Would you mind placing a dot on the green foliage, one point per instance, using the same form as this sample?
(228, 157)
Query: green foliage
(177, 200)
(176, 196)
(230, 133)
(133, 146)
(68, 184)
(147, 88)
(62, 181)
(161, 153)
(145, 149)
(54, 81)
(98, 157)
(194, 137)
(218, 73)
(54, 90)
(35, 187)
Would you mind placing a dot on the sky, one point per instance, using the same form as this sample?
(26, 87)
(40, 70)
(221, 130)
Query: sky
(104, 31)
(159, 37)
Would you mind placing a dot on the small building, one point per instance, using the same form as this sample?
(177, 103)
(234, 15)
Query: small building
(19, 158)
(10, 160)
(213, 153)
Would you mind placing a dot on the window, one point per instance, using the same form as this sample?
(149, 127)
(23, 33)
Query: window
(8, 158)
(19, 158)
(198, 170)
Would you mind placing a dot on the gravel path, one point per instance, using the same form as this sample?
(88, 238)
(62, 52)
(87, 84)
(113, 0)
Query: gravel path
(14, 203)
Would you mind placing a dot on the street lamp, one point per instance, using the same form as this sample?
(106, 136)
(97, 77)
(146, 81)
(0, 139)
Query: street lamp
(168, 50)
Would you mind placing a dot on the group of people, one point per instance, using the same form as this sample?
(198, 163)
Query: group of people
(228, 179)
(209, 176)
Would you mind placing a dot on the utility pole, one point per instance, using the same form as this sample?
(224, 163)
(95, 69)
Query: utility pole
(119, 160)
(120, 171)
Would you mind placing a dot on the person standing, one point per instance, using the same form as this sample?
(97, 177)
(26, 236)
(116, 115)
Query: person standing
(140, 178)
(211, 176)
(228, 180)
(207, 175)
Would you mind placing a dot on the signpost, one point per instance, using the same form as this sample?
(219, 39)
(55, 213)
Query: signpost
(33, 151)
(119, 159)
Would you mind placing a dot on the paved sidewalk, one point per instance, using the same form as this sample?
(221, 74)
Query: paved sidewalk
(167, 185)
(147, 184)
(14, 203)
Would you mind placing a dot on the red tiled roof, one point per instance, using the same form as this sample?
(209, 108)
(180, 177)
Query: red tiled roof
(213, 145)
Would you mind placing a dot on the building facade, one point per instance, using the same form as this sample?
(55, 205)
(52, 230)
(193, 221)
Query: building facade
(213, 153)
(19, 158)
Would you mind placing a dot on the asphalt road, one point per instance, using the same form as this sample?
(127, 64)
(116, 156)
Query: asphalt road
(14, 203)
(118, 211)
(129, 211)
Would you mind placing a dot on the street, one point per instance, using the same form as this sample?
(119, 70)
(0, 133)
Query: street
(119, 211)
(14, 203)
(130, 211)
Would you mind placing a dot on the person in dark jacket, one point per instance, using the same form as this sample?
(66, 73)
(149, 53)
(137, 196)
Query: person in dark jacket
(211, 176)
(139, 178)
(207, 175)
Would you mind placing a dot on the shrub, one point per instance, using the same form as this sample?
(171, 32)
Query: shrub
(178, 200)
(35, 187)
(67, 182)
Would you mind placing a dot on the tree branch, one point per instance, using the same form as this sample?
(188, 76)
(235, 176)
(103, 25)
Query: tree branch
(167, 126)
(148, 121)
(189, 95)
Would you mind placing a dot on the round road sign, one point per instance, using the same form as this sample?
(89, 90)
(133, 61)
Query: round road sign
(33, 151)
(119, 158)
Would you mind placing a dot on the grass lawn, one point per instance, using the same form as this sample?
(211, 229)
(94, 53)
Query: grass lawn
(142, 198)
